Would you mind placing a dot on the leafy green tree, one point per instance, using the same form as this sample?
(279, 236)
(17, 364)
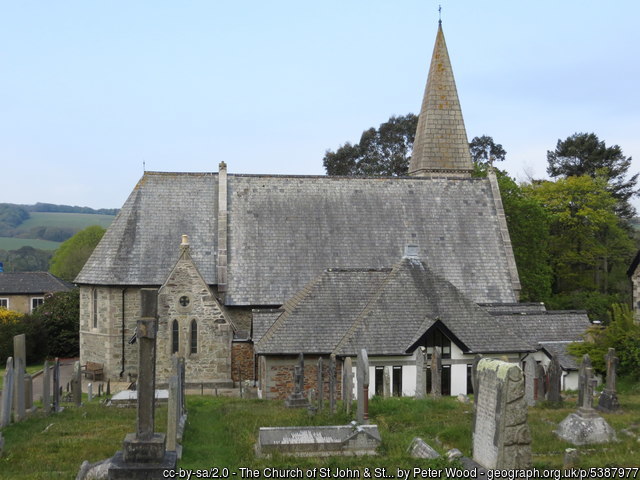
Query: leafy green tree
(528, 224)
(72, 254)
(382, 152)
(587, 241)
(25, 259)
(483, 149)
(60, 317)
(622, 333)
(585, 154)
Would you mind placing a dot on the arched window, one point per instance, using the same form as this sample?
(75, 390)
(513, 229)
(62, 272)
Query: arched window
(194, 336)
(94, 307)
(175, 337)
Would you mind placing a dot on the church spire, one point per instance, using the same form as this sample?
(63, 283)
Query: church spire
(441, 146)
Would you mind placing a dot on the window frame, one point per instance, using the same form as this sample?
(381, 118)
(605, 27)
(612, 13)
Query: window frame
(6, 302)
(193, 342)
(40, 301)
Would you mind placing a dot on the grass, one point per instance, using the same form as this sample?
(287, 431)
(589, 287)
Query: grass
(221, 432)
(10, 243)
(77, 221)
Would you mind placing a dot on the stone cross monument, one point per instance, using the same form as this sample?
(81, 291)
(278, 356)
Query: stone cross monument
(436, 373)
(144, 454)
(609, 398)
(297, 399)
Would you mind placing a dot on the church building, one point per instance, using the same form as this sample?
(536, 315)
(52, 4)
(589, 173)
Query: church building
(254, 269)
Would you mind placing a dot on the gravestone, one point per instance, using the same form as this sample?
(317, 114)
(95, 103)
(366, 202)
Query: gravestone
(46, 388)
(90, 392)
(609, 398)
(56, 386)
(173, 416)
(529, 381)
(144, 454)
(540, 383)
(363, 387)
(19, 411)
(421, 449)
(262, 376)
(28, 393)
(332, 384)
(7, 394)
(320, 385)
(474, 373)
(436, 373)
(585, 426)
(297, 399)
(501, 437)
(347, 388)
(386, 381)
(421, 387)
(582, 379)
(76, 384)
(555, 380)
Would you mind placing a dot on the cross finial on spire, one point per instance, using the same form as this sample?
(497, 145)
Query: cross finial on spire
(144, 166)
(439, 14)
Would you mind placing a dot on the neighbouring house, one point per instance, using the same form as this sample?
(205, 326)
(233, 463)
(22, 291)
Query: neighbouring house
(276, 265)
(24, 291)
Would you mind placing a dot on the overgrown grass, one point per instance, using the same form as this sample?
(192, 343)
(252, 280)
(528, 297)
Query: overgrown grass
(221, 432)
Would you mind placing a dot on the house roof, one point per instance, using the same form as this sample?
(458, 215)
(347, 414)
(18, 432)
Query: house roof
(285, 230)
(385, 311)
(514, 308)
(559, 351)
(29, 283)
(549, 326)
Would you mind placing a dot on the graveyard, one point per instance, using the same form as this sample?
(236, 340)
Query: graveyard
(221, 432)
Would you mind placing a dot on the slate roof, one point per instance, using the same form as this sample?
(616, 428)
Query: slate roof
(285, 230)
(550, 326)
(29, 283)
(514, 308)
(559, 350)
(384, 311)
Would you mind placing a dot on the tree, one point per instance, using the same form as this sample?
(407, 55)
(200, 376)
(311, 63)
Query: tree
(60, 317)
(483, 149)
(528, 225)
(584, 154)
(72, 254)
(382, 152)
(587, 241)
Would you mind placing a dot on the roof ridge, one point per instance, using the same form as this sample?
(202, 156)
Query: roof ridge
(359, 319)
(288, 307)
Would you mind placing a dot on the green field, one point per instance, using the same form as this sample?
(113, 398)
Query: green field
(76, 221)
(9, 243)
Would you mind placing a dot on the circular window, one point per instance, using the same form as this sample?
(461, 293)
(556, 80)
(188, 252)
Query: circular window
(184, 301)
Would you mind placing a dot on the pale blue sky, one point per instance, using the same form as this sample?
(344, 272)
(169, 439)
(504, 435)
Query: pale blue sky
(90, 90)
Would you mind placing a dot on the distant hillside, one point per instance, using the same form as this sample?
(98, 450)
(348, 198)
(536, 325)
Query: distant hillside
(44, 225)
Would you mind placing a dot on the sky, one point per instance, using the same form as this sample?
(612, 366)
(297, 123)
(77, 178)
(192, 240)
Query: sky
(92, 93)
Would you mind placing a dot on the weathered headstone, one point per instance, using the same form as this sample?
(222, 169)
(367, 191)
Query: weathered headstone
(297, 398)
(7, 394)
(529, 381)
(173, 415)
(28, 393)
(582, 380)
(332, 384)
(347, 388)
(609, 398)
(386, 381)
(144, 454)
(320, 385)
(46, 388)
(421, 387)
(436, 373)
(262, 376)
(421, 449)
(76, 384)
(585, 426)
(108, 387)
(555, 381)
(363, 387)
(90, 392)
(56, 386)
(474, 372)
(19, 411)
(501, 437)
(540, 383)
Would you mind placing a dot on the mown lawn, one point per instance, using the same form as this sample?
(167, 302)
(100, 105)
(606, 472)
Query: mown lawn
(221, 432)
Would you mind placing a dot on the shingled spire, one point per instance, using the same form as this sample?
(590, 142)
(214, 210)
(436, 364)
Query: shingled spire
(441, 146)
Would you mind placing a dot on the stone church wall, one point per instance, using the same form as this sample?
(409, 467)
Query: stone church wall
(280, 370)
(242, 361)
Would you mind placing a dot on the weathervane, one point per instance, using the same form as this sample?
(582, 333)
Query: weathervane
(144, 166)
(439, 14)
